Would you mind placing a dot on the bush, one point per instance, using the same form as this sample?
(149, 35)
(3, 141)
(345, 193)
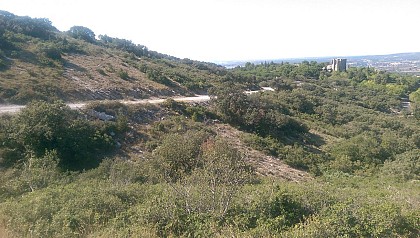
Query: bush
(73, 210)
(358, 219)
(179, 153)
(405, 167)
(102, 72)
(201, 199)
(123, 74)
(266, 210)
(159, 77)
(268, 145)
(50, 50)
(361, 151)
(43, 127)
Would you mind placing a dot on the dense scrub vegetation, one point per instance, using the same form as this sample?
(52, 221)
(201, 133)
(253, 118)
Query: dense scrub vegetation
(166, 170)
(188, 181)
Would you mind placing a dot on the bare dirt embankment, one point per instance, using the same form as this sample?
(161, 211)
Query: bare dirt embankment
(263, 164)
(4, 233)
(98, 77)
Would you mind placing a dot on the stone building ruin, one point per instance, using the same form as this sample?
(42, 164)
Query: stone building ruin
(339, 65)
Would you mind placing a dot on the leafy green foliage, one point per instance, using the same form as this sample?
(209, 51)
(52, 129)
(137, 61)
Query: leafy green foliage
(123, 74)
(231, 104)
(206, 193)
(405, 167)
(40, 172)
(211, 191)
(35, 27)
(264, 118)
(51, 50)
(179, 153)
(158, 77)
(267, 213)
(83, 33)
(267, 71)
(361, 150)
(415, 96)
(126, 45)
(42, 127)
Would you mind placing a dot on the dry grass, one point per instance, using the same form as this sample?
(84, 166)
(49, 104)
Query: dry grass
(78, 77)
(4, 233)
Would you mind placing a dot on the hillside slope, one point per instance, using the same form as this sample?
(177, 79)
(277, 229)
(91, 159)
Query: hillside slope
(37, 62)
(324, 154)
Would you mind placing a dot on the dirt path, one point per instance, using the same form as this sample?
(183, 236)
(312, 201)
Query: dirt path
(10, 108)
(197, 98)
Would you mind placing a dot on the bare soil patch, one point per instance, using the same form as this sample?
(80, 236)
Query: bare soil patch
(263, 164)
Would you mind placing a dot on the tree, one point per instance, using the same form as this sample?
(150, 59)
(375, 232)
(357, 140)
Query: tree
(231, 103)
(35, 27)
(83, 33)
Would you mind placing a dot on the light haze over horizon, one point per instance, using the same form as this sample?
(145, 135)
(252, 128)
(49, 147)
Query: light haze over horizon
(223, 30)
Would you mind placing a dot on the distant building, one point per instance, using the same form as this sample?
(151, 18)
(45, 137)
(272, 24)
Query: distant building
(339, 65)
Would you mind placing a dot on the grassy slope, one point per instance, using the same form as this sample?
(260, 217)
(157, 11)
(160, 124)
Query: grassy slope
(87, 71)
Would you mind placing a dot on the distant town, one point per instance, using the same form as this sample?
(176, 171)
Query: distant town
(403, 62)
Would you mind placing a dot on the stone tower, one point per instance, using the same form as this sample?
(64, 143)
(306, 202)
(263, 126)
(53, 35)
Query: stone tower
(339, 65)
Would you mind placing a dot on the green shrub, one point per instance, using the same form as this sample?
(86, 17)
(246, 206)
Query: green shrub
(159, 77)
(123, 74)
(102, 72)
(360, 219)
(41, 172)
(73, 210)
(42, 127)
(179, 153)
(201, 199)
(51, 50)
(405, 167)
(83, 33)
(268, 145)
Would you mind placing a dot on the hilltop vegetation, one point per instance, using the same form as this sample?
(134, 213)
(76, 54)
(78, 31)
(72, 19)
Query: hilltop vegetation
(324, 155)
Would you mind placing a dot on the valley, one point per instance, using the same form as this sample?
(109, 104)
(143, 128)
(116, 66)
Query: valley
(160, 146)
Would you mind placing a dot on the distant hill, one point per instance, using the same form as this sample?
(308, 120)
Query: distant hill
(401, 62)
(37, 61)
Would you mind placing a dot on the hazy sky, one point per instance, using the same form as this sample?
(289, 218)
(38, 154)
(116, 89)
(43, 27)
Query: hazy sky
(217, 30)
